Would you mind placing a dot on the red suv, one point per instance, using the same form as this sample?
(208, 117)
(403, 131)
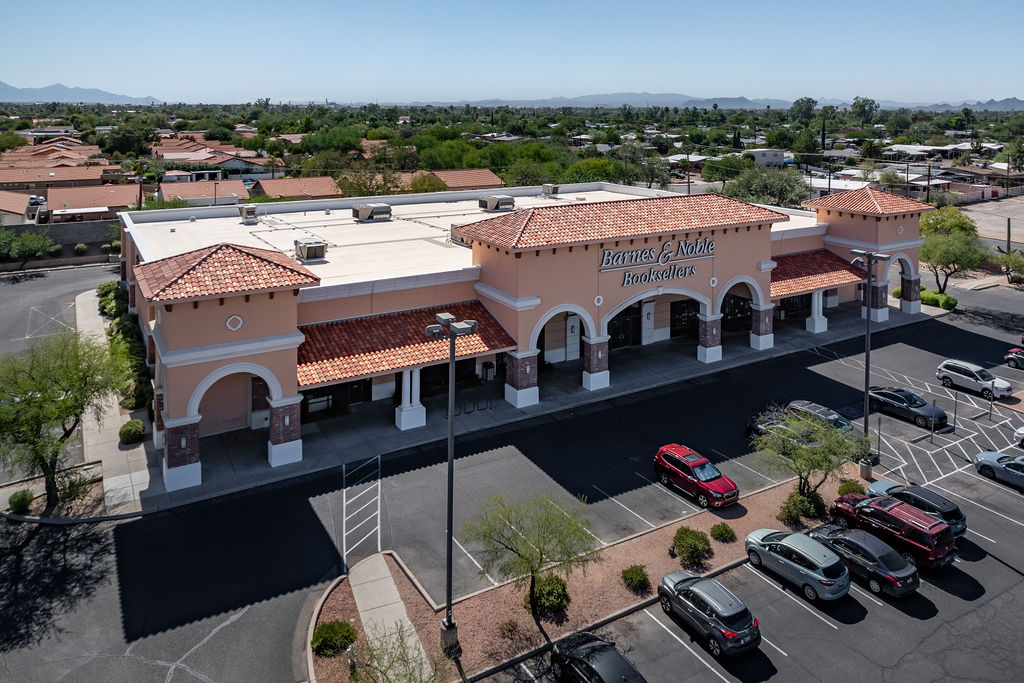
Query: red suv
(692, 472)
(922, 540)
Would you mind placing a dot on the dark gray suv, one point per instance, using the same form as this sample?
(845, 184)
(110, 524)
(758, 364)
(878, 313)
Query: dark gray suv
(720, 619)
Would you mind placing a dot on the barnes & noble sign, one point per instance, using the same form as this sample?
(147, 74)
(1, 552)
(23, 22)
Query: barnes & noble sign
(671, 260)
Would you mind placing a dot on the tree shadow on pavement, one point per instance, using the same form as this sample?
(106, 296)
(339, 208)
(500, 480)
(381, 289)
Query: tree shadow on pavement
(45, 571)
(986, 317)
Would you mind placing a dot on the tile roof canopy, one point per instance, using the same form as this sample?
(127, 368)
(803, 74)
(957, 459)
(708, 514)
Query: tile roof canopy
(551, 226)
(468, 178)
(868, 201)
(13, 202)
(89, 196)
(318, 186)
(811, 271)
(201, 189)
(377, 344)
(218, 270)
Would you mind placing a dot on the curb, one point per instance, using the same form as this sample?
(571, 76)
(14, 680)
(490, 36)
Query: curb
(310, 672)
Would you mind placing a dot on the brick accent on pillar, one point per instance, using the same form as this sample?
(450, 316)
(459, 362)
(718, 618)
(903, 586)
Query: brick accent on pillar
(131, 294)
(281, 432)
(910, 288)
(516, 375)
(879, 295)
(158, 409)
(709, 332)
(595, 356)
(150, 348)
(761, 321)
(176, 455)
(260, 393)
(124, 269)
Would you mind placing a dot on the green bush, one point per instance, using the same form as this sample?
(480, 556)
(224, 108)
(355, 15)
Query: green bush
(929, 298)
(332, 638)
(723, 533)
(73, 487)
(20, 501)
(105, 248)
(797, 506)
(55, 251)
(552, 595)
(636, 579)
(850, 486)
(691, 546)
(132, 431)
(115, 246)
(105, 288)
(946, 302)
(896, 291)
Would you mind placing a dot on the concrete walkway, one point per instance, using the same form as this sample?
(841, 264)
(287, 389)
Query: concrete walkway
(380, 606)
(237, 460)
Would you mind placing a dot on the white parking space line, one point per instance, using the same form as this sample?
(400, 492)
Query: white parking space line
(975, 533)
(772, 584)
(473, 560)
(622, 506)
(774, 645)
(866, 595)
(685, 644)
(983, 507)
(365, 505)
(737, 462)
(689, 507)
(528, 672)
(948, 474)
(592, 534)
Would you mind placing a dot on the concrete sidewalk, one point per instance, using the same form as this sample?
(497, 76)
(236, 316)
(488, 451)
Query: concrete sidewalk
(380, 606)
(237, 460)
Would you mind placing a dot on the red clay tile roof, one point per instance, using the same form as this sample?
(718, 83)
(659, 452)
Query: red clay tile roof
(469, 179)
(13, 202)
(203, 188)
(869, 201)
(89, 196)
(362, 347)
(811, 271)
(316, 187)
(218, 270)
(551, 226)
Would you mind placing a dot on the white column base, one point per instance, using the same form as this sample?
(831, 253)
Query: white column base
(816, 325)
(284, 453)
(596, 380)
(832, 301)
(554, 355)
(159, 439)
(911, 307)
(878, 315)
(521, 398)
(186, 476)
(259, 419)
(709, 354)
(410, 417)
(760, 342)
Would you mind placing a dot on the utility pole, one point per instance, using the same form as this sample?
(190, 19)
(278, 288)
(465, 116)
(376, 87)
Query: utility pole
(928, 189)
(906, 186)
(687, 171)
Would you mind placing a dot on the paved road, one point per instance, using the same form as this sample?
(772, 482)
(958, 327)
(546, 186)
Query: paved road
(217, 591)
(991, 218)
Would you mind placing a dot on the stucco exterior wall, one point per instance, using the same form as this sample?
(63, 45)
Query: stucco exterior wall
(223, 406)
(187, 326)
(311, 312)
(180, 382)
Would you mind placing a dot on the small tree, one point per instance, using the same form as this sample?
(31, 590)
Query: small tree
(395, 655)
(29, 245)
(654, 169)
(811, 450)
(951, 244)
(45, 393)
(522, 538)
(806, 148)
(725, 168)
(768, 186)
(891, 180)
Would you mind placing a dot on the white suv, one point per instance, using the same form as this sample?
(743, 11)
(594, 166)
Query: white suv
(974, 377)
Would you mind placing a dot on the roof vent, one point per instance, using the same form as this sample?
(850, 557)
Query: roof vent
(549, 189)
(371, 212)
(310, 248)
(327, 212)
(248, 214)
(497, 202)
(191, 219)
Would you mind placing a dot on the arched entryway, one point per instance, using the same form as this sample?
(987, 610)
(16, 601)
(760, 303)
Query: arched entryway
(900, 272)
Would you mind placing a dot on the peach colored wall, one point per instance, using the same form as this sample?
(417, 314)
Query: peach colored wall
(185, 326)
(797, 245)
(223, 405)
(497, 267)
(384, 302)
(874, 229)
(181, 381)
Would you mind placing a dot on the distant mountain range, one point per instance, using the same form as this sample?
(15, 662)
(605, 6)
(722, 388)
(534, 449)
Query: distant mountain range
(58, 92)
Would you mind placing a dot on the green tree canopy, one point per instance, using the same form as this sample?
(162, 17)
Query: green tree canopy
(427, 182)
(863, 109)
(951, 244)
(803, 109)
(768, 186)
(726, 168)
(592, 170)
(806, 148)
(126, 141)
(9, 140)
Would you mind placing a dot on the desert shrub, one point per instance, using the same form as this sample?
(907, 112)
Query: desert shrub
(552, 595)
(82, 250)
(636, 579)
(797, 506)
(105, 248)
(896, 291)
(132, 431)
(73, 487)
(115, 246)
(691, 546)
(929, 298)
(331, 638)
(850, 486)
(509, 629)
(106, 287)
(55, 251)
(723, 533)
(946, 302)
(20, 501)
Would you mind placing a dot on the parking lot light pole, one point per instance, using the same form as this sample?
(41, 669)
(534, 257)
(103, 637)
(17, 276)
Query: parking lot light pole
(867, 260)
(449, 631)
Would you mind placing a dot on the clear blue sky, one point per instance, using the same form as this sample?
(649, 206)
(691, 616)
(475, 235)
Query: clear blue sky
(398, 51)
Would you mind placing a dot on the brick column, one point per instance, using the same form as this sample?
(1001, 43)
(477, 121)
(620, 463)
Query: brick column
(285, 444)
(131, 295)
(124, 269)
(595, 363)
(158, 418)
(762, 334)
(150, 348)
(878, 296)
(521, 378)
(181, 465)
(910, 294)
(709, 337)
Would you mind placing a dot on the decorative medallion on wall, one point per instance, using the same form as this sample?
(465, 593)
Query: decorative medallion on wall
(234, 323)
(899, 229)
(598, 300)
(713, 282)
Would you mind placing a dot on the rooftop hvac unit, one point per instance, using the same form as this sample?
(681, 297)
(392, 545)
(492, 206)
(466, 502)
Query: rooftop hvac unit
(548, 188)
(371, 212)
(310, 248)
(497, 202)
(248, 214)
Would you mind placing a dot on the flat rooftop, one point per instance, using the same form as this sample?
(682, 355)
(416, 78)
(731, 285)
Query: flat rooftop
(414, 242)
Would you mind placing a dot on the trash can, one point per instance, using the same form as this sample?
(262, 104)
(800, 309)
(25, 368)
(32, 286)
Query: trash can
(865, 469)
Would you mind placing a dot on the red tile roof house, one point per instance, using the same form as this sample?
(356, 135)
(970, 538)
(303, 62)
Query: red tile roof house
(322, 187)
(205, 192)
(13, 207)
(266, 322)
(66, 204)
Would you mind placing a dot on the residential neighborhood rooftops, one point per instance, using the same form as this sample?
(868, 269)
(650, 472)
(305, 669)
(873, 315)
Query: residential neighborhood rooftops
(202, 189)
(298, 188)
(96, 196)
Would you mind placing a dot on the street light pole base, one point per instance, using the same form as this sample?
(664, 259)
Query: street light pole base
(450, 639)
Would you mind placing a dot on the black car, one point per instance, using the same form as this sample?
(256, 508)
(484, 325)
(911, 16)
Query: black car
(720, 619)
(908, 405)
(1014, 358)
(869, 559)
(936, 505)
(820, 412)
(589, 658)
